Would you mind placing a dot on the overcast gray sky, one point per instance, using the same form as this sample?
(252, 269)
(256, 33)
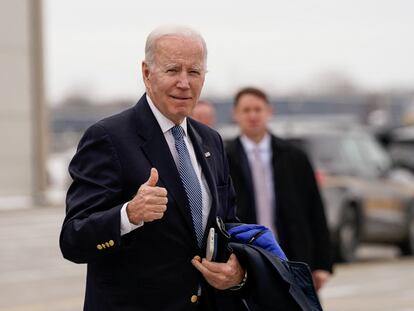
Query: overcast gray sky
(96, 47)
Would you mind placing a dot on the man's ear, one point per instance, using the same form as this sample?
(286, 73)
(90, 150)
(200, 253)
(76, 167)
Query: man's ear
(145, 73)
(270, 109)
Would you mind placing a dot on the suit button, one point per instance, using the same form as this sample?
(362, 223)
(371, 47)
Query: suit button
(111, 242)
(99, 246)
(194, 298)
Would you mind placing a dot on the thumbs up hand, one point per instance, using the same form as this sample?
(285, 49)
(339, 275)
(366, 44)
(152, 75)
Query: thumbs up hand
(153, 179)
(150, 202)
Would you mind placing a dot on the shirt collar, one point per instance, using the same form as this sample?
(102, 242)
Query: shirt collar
(165, 123)
(263, 145)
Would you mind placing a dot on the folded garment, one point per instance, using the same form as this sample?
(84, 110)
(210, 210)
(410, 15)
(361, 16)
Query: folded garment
(259, 236)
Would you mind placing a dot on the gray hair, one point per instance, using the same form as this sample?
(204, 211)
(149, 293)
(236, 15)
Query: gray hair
(171, 30)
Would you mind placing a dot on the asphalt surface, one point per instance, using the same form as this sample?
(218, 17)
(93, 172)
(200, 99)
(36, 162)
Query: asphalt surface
(35, 277)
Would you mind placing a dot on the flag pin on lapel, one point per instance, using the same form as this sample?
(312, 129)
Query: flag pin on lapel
(207, 154)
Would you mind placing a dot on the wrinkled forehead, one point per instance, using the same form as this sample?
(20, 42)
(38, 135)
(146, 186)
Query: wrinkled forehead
(173, 48)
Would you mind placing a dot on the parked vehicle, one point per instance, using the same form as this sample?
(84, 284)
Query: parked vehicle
(366, 198)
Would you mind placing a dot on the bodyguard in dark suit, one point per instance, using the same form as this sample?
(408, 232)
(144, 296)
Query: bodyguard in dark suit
(276, 186)
(147, 185)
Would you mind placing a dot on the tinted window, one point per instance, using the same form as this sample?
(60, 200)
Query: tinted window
(336, 154)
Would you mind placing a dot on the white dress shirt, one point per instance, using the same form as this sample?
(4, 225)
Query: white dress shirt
(166, 125)
(264, 217)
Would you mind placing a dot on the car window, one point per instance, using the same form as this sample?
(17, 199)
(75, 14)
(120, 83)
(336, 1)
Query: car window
(376, 160)
(317, 148)
(351, 155)
(332, 153)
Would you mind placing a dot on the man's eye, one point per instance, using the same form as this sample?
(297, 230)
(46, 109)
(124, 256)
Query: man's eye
(195, 72)
(172, 70)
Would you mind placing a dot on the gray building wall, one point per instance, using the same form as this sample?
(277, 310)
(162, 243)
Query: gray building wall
(22, 111)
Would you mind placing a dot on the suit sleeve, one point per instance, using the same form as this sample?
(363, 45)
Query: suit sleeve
(91, 227)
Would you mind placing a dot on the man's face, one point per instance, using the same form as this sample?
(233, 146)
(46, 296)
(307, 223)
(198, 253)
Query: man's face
(204, 114)
(175, 79)
(252, 114)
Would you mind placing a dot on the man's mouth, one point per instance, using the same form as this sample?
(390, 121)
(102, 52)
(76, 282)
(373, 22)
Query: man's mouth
(180, 97)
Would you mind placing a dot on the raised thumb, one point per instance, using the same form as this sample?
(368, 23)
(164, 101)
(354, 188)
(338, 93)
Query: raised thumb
(153, 179)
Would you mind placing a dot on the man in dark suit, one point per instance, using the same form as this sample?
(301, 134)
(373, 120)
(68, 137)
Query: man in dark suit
(276, 187)
(147, 184)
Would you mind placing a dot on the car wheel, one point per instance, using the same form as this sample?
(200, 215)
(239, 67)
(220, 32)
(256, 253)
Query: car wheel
(407, 247)
(348, 236)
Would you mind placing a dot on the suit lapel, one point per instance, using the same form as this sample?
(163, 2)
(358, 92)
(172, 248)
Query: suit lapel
(159, 155)
(204, 155)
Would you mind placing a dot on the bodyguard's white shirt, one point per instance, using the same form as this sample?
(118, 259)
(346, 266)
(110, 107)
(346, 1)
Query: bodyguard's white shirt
(166, 125)
(265, 150)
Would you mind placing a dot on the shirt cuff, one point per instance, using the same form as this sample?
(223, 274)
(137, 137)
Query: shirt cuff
(126, 225)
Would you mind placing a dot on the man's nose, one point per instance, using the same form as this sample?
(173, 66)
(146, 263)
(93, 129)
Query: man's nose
(183, 81)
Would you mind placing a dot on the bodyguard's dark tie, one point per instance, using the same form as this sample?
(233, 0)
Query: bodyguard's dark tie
(190, 182)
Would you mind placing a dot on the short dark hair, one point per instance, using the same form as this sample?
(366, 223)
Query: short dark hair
(252, 91)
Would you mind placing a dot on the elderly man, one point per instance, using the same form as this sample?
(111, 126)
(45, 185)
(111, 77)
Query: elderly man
(148, 183)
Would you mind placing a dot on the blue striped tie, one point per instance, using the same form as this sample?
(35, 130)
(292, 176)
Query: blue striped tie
(190, 182)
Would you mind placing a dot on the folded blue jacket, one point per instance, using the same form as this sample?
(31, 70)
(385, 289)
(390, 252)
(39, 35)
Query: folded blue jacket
(257, 235)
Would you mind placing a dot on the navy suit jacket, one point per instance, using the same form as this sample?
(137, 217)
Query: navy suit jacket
(148, 268)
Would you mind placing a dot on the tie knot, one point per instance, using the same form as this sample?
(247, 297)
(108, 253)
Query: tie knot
(178, 132)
